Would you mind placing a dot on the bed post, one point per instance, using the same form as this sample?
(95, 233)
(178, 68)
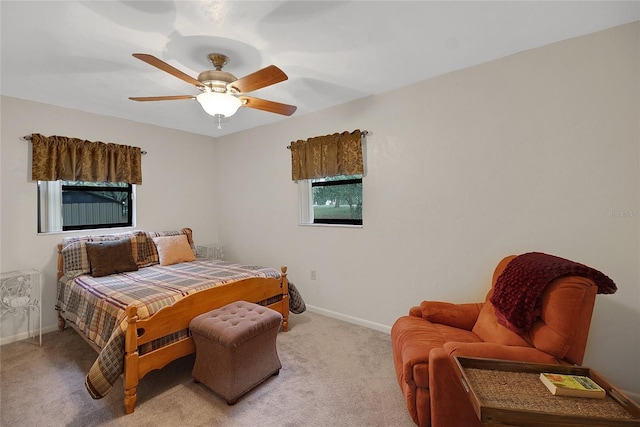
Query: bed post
(62, 322)
(60, 261)
(285, 299)
(131, 360)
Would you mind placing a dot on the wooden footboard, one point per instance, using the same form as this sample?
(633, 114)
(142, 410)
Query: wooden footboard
(176, 318)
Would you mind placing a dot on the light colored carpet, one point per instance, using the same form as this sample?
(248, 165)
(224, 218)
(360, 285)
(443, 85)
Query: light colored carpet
(333, 374)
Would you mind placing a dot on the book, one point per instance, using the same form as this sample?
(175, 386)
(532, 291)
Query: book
(572, 385)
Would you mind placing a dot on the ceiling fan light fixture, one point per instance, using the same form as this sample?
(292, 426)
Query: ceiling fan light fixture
(219, 104)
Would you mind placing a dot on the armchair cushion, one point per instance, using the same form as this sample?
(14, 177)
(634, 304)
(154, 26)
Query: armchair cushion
(489, 329)
(462, 316)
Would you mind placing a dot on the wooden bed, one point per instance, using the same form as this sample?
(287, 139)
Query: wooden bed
(171, 319)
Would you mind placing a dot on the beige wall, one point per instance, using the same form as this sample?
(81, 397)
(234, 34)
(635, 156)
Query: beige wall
(176, 191)
(534, 152)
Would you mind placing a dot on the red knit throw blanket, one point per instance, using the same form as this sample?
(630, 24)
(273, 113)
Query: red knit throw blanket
(518, 290)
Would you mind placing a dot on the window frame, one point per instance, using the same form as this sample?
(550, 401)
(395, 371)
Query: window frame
(306, 206)
(342, 221)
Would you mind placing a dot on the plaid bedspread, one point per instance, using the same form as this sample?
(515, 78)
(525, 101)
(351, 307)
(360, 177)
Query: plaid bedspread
(96, 305)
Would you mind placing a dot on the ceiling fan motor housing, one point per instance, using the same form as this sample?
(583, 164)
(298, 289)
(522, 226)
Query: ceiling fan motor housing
(216, 80)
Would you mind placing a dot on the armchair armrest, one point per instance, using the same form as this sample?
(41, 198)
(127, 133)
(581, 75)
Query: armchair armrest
(415, 312)
(462, 316)
(450, 404)
(498, 351)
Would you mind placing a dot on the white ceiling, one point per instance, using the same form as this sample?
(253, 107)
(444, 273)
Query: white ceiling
(77, 54)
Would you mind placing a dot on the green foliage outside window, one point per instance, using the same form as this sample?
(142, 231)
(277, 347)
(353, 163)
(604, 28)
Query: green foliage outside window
(338, 198)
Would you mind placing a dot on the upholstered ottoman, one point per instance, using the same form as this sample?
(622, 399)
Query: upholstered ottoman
(235, 348)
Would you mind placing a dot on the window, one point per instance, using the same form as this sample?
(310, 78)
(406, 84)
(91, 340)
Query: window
(80, 205)
(332, 200)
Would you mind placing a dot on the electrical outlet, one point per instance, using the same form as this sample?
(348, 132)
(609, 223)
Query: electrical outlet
(313, 275)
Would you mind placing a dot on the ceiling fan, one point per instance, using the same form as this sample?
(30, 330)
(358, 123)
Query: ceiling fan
(221, 92)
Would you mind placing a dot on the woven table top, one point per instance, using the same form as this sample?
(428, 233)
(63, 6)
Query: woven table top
(525, 391)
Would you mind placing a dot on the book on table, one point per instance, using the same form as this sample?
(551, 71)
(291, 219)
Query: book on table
(572, 385)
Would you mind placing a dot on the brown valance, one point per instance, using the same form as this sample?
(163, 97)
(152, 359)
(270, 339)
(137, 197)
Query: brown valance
(329, 155)
(72, 159)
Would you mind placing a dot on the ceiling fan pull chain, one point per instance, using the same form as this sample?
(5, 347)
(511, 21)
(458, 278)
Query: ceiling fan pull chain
(219, 122)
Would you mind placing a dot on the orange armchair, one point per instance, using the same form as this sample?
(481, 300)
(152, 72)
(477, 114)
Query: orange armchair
(425, 342)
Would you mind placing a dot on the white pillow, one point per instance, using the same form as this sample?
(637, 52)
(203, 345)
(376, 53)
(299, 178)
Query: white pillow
(174, 249)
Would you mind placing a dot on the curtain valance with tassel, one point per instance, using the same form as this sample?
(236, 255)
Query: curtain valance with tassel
(71, 159)
(329, 155)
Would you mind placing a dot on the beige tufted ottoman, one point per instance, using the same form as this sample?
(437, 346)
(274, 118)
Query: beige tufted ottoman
(235, 348)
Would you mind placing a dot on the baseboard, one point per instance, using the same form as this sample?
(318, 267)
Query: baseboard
(350, 319)
(24, 335)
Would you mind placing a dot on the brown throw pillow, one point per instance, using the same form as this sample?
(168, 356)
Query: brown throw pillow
(110, 257)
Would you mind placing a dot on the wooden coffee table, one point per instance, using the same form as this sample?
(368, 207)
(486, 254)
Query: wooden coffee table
(507, 393)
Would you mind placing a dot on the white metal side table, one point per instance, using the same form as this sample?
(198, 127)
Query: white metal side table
(21, 293)
(210, 252)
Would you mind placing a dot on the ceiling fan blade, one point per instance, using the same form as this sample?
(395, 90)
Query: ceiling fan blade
(162, 98)
(152, 60)
(270, 106)
(261, 78)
